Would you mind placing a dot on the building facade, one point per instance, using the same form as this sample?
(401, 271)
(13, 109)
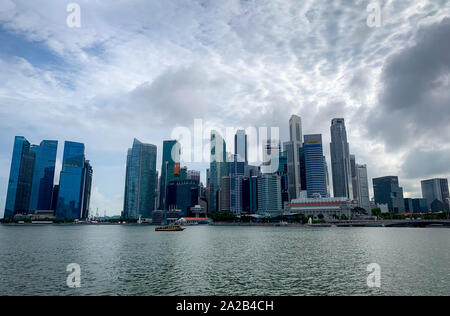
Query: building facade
(435, 189)
(316, 182)
(170, 169)
(362, 187)
(387, 191)
(269, 193)
(218, 169)
(340, 160)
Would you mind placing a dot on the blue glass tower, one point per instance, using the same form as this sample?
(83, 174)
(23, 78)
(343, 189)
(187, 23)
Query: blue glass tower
(316, 181)
(20, 178)
(74, 183)
(140, 184)
(170, 169)
(43, 175)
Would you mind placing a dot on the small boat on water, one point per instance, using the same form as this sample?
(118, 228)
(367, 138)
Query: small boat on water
(170, 228)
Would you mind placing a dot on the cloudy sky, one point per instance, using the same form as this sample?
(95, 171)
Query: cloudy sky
(139, 68)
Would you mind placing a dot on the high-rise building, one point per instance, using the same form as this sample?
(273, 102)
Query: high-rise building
(253, 194)
(237, 169)
(240, 146)
(20, 178)
(43, 175)
(183, 195)
(193, 175)
(293, 151)
(218, 169)
(170, 169)
(327, 175)
(387, 191)
(316, 181)
(225, 194)
(74, 183)
(435, 189)
(340, 160)
(140, 182)
(354, 175)
(362, 187)
(269, 193)
(271, 157)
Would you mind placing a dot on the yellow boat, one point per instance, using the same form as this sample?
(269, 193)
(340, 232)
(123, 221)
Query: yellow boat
(173, 228)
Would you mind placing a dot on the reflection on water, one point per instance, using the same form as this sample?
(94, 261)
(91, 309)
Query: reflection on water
(205, 260)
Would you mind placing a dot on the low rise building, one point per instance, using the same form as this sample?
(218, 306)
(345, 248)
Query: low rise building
(328, 207)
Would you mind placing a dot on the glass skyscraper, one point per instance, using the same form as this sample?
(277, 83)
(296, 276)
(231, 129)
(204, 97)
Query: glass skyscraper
(237, 169)
(20, 178)
(74, 183)
(218, 169)
(387, 191)
(435, 189)
(43, 175)
(140, 183)
(316, 181)
(170, 169)
(340, 160)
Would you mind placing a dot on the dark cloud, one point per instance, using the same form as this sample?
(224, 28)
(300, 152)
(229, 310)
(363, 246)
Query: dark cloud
(426, 164)
(414, 104)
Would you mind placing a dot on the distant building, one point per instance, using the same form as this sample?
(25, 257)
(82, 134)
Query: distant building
(330, 208)
(387, 191)
(218, 169)
(170, 169)
(362, 187)
(292, 149)
(316, 181)
(74, 183)
(240, 146)
(183, 195)
(166, 217)
(237, 169)
(435, 189)
(269, 193)
(327, 175)
(225, 194)
(340, 160)
(420, 205)
(193, 175)
(354, 174)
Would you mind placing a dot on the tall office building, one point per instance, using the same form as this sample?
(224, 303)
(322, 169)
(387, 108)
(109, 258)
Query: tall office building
(240, 146)
(327, 176)
(183, 195)
(20, 178)
(170, 169)
(74, 183)
(140, 181)
(362, 187)
(225, 194)
(271, 157)
(237, 169)
(387, 191)
(293, 151)
(340, 160)
(43, 175)
(218, 169)
(354, 175)
(193, 175)
(435, 189)
(269, 193)
(316, 181)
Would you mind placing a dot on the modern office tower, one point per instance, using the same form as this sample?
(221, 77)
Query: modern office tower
(435, 189)
(387, 191)
(316, 181)
(409, 206)
(354, 175)
(362, 188)
(170, 169)
(340, 160)
(253, 197)
(193, 175)
(237, 169)
(269, 193)
(43, 175)
(252, 171)
(240, 146)
(420, 206)
(20, 178)
(225, 194)
(293, 151)
(74, 183)
(55, 193)
(157, 183)
(283, 174)
(208, 177)
(218, 169)
(245, 195)
(182, 195)
(140, 186)
(327, 175)
(271, 157)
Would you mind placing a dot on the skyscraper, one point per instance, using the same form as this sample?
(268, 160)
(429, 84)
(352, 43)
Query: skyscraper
(236, 180)
(340, 160)
(74, 183)
(20, 178)
(271, 157)
(354, 175)
(327, 175)
(293, 151)
(183, 195)
(435, 189)
(170, 169)
(43, 175)
(316, 181)
(269, 193)
(240, 146)
(218, 169)
(362, 183)
(140, 181)
(387, 191)
(225, 194)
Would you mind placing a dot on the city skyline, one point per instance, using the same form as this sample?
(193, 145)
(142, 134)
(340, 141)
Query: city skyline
(109, 82)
